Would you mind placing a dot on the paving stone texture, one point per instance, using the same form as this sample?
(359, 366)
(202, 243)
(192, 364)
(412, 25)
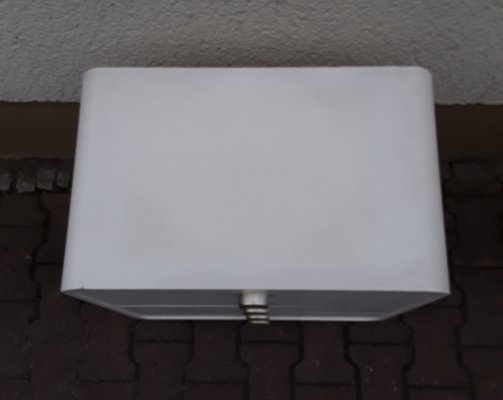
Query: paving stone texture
(54, 347)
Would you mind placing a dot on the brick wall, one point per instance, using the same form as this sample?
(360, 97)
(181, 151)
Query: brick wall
(54, 347)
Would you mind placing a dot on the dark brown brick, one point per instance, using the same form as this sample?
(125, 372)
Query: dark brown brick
(15, 390)
(308, 392)
(439, 394)
(475, 170)
(269, 369)
(56, 339)
(15, 280)
(451, 239)
(163, 331)
(161, 367)
(381, 370)
(486, 367)
(45, 178)
(25, 182)
(436, 362)
(449, 221)
(106, 354)
(455, 297)
(54, 369)
(389, 331)
(215, 357)
(63, 179)
(324, 361)
(52, 251)
(479, 231)
(5, 180)
(484, 303)
(282, 332)
(20, 238)
(217, 391)
(474, 178)
(15, 318)
(450, 230)
(59, 318)
(21, 211)
(104, 390)
(445, 170)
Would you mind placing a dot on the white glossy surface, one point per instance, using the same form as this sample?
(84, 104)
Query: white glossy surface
(275, 179)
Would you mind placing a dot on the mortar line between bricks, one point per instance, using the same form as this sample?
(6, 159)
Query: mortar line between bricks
(106, 380)
(291, 370)
(439, 387)
(211, 382)
(161, 341)
(47, 225)
(20, 301)
(461, 307)
(83, 342)
(24, 378)
(239, 343)
(19, 226)
(17, 379)
(190, 342)
(456, 246)
(476, 196)
(271, 344)
(457, 332)
(454, 283)
(406, 368)
(131, 343)
(477, 267)
(366, 344)
(357, 374)
(33, 270)
(481, 346)
(377, 344)
(499, 218)
(300, 358)
(268, 341)
(327, 385)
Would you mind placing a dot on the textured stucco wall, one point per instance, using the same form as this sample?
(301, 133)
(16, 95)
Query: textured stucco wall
(46, 45)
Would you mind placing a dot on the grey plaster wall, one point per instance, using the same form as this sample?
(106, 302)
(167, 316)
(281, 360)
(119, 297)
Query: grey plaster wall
(46, 45)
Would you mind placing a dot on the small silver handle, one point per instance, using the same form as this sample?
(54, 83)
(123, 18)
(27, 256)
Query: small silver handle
(254, 306)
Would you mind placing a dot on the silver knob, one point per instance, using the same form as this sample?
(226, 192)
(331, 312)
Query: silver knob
(254, 306)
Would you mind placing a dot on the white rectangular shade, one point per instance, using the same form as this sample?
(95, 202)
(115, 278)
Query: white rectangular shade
(316, 186)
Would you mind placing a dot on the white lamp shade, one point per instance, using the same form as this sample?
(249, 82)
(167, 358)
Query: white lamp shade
(317, 187)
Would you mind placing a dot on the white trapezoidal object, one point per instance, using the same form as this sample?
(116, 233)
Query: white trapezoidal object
(259, 193)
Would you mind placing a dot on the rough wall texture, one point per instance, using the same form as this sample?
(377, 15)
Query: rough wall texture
(45, 46)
